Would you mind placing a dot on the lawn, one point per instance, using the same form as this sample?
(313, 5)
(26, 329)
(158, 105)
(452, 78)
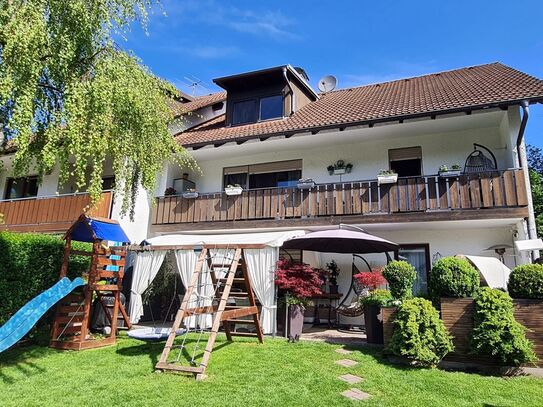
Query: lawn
(243, 373)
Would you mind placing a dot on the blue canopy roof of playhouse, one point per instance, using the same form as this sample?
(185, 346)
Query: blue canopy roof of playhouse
(88, 230)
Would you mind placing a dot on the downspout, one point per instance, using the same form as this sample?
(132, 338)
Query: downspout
(290, 89)
(523, 162)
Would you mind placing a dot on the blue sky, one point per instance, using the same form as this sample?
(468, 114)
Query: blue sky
(359, 42)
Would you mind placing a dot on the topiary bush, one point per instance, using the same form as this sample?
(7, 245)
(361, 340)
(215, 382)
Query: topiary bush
(30, 264)
(526, 281)
(496, 333)
(453, 277)
(400, 276)
(419, 334)
(377, 297)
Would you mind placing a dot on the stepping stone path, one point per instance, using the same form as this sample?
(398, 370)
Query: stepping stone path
(355, 394)
(346, 362)
(343, 351)
(350, 378)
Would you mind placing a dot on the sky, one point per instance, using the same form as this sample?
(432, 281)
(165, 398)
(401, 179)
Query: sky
(359, 42)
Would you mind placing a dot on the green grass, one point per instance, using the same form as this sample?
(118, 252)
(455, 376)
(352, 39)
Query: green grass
(243, 373)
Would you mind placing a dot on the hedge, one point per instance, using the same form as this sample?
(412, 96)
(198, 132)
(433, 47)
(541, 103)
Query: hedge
(453, 277)
(30, 264)
(526, 281)
(400, 276)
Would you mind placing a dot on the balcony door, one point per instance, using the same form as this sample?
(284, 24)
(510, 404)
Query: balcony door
(418, 255)
(265, 175)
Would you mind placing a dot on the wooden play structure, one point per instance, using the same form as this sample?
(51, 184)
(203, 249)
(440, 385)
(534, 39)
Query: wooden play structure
(214, 291)
(71, 327)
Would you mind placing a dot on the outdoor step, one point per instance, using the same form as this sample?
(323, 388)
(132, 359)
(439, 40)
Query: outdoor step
(355, 394)
(346, 362)
(350, 378)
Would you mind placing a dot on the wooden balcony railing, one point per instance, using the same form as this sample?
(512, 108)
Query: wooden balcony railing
(498, 189)
(50, 214)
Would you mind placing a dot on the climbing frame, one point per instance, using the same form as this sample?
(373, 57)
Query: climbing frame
(217, 295)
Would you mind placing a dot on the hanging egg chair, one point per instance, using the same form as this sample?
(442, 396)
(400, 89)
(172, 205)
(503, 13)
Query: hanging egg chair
(477, 161)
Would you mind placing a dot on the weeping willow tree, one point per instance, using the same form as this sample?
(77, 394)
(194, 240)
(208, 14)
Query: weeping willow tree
(70, 96)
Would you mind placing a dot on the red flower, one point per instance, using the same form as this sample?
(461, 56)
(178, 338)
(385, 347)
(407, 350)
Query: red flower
(370, 279)
(299, 280)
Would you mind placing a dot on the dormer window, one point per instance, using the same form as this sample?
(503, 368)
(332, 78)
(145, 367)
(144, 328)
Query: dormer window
(258, 109)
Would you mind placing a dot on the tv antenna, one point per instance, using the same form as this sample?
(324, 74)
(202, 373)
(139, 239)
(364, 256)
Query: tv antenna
(195, 83)
(327, 83)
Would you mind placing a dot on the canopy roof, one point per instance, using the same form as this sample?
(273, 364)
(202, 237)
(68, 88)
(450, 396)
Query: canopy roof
(271, 239)
(87, 229)
(493, 271)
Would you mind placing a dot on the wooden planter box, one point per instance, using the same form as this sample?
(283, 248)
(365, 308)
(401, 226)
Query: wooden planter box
(388, 314)
(457, 315)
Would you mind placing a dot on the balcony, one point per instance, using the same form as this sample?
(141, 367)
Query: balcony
(50, 214)
(475, 196)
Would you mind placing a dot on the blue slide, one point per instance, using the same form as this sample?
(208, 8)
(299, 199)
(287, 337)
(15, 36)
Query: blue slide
(24, 319)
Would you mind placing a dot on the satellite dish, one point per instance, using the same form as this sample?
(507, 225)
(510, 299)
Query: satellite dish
(327, 83)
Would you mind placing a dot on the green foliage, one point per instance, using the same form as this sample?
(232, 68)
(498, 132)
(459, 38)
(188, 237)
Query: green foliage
(377, 297)
(536, 182)
(419, 334)
(526, 281)
(496, 332)
(30, 264)
(400, 276)
(71, 96)
(453, 277)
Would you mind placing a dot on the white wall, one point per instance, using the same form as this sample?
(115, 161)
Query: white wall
(367, 149)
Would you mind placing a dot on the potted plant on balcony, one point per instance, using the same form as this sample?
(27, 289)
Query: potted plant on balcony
(387, 177)
(370, 281)
(305, 183)
(332, 272)
(446, 172)
(299, 282)
(232, 190)
(190, 194)
(170, 191)
(339, 168)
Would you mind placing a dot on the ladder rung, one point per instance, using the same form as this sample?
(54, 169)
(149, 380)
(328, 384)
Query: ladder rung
(179, 368)
(241, 321)
(236, 280)
(245, 334)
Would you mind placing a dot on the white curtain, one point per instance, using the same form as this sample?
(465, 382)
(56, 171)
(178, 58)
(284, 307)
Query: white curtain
(261, 269)
(146, 266)
(186, 264)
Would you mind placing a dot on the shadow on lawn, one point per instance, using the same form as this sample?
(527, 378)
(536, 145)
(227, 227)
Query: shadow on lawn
(154, 350)
(20, 359)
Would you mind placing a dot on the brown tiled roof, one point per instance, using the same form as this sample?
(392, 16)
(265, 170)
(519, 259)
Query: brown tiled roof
(197, 103)
(466, 88)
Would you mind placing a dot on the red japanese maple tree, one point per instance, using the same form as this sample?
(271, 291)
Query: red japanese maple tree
(370, 279)
(300, 281)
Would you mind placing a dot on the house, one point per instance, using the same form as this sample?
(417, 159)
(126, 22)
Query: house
(269, 128)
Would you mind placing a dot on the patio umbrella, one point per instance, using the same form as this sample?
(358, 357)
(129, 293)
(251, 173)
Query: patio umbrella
(341, 241)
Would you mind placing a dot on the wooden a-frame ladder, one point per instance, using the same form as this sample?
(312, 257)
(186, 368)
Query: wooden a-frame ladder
(222, 313)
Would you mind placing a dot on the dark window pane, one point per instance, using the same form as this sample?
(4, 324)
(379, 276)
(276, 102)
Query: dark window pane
(21, 188)
(417, 257)
(233, 179)
(31, 187)
(271, 107)
(407, 168)
(244, 112)
(274, 179)
(108, 183)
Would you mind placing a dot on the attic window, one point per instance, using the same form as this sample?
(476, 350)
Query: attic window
(271, 107)
(257, 109)
(244, 112)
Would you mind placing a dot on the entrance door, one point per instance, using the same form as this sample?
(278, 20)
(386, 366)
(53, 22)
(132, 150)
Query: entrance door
(418, 255)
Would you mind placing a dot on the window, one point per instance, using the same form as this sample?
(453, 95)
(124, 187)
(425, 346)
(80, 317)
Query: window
(417, 255)
(294, 255)
(244, 112)
(406, 162)
(108, 183)
(253, 110)
(271, 107)
(265, 175)
(21, 187)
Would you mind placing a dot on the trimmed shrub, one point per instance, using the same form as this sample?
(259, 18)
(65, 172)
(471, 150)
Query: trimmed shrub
(526, 281)
(453, 277)
(496, 333)
(400, 276)
(377, 297)
(419, 334)
(30, 264)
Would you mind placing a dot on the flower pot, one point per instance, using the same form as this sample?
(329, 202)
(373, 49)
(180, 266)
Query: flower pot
(306, 185)
(374, 326)
(387, 179)
(339, 171)
(233, 191)
(190, 195)
(296, 322)
(449, 174)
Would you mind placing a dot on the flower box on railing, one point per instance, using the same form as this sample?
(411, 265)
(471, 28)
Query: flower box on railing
(233, 190)
(305, 184)
(450, 173)
(387, 179)
(190, 195)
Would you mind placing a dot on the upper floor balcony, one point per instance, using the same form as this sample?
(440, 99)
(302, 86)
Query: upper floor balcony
(494, 194)
(50, 213)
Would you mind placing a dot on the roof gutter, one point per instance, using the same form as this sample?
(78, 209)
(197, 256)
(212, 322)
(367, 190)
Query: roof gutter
(523, 163)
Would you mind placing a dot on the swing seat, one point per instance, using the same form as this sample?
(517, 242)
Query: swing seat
(153, 334)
